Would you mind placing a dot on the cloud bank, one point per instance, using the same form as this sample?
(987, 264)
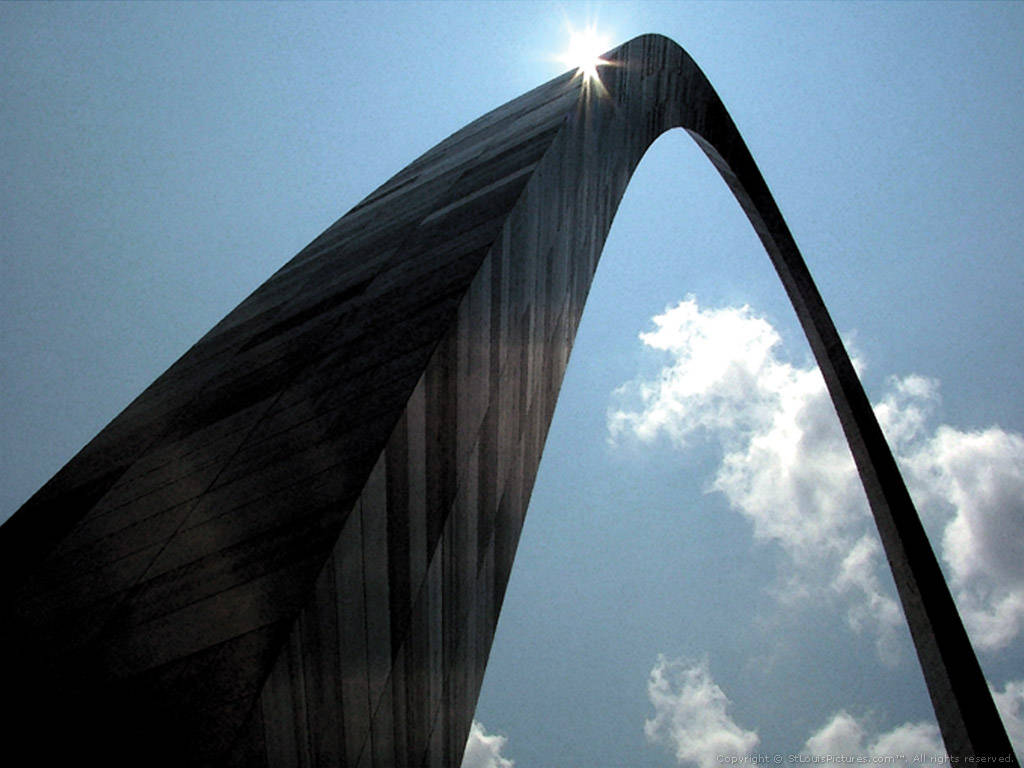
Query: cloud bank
(483, 750)
(691, 715)
(845, 735)
(691, 719)
(786, 468)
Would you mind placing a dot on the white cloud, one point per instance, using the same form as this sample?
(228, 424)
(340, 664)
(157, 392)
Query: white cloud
(691, 715)
(691, 718)
(1010, 703)
(978, 479)
(846, 736)
(483, 750)
(785, 466)
(787, 469)
(737, 365)
(871, 607)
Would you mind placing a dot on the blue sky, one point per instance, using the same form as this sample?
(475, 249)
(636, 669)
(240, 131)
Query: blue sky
(696, 575)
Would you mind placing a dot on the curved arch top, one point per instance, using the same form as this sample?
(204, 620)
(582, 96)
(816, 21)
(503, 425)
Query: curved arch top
(293, 546)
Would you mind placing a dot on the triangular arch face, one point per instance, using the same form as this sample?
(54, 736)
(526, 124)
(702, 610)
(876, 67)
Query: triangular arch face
(292, 548)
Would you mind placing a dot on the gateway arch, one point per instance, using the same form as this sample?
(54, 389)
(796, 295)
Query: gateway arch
(291, 549)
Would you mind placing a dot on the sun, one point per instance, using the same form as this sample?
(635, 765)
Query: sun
(584, 51)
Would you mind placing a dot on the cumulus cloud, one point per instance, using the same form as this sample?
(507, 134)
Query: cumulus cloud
(691, 718)
(483, 750)
(846, 736)
(691, 715)
(978, 479)
(787, 469)
(785, 464)
(686, 398)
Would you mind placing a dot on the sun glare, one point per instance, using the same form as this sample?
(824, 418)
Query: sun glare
(584, 51)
